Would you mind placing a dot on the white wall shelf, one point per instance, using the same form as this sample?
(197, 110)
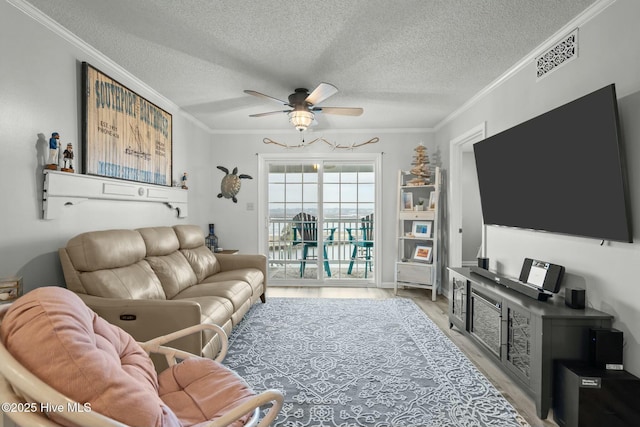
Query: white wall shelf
(66, 189)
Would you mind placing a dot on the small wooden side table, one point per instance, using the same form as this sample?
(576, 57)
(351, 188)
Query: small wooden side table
(10, 289)
(228, 251)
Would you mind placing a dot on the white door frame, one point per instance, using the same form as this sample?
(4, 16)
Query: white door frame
(263, 214)
(456, 146)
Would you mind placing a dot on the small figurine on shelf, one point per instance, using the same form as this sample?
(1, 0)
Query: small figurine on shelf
(67, 155)
(54, 143)
(184, 181)
(420, 167)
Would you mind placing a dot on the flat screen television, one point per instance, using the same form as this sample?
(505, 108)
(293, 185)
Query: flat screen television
(562, 172)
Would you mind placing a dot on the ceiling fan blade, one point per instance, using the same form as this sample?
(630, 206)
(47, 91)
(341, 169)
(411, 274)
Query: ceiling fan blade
(322, 92)
(343, 111)
(262, 95)
(269, 113)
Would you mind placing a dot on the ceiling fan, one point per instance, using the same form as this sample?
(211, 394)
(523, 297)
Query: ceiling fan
(304, 105)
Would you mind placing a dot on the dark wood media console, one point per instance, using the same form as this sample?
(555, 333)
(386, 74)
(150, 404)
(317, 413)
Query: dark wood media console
(522, 334)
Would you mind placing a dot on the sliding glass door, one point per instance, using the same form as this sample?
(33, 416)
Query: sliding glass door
(319, 218)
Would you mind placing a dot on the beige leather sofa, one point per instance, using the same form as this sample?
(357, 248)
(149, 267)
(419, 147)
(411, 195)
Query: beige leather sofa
(157, 280)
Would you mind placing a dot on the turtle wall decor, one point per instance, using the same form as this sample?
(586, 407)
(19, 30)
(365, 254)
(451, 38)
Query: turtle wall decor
(230, 185)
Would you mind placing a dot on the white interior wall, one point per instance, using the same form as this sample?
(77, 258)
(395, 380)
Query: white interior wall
(608, 53)
(39, 94)
(236, 226)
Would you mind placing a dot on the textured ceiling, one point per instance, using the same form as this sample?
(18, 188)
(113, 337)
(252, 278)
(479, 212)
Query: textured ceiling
(409, 64)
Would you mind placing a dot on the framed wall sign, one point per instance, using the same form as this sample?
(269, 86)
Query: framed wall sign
(124, 135)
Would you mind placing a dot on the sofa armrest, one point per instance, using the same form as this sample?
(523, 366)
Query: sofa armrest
(237, 261)
(147, 319)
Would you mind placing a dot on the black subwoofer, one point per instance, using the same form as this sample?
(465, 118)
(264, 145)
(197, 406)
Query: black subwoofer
(585, 396)
(605, 348)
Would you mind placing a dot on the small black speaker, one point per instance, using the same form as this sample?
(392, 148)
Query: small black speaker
(605, 348)
(483, 263)
(575, 298)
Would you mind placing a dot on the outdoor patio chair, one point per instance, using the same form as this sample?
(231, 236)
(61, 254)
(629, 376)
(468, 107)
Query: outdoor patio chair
(305, 233)
(362, 239)
(62, 364)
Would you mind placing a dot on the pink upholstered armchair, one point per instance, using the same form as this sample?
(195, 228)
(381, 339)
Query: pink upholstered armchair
(61, 364)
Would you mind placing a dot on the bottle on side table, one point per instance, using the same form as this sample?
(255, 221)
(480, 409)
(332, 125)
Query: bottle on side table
(211, 241)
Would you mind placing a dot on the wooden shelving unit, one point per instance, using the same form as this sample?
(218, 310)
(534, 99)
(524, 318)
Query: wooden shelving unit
(418, 262)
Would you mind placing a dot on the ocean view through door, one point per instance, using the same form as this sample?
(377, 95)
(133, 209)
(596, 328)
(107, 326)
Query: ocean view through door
(320, 219)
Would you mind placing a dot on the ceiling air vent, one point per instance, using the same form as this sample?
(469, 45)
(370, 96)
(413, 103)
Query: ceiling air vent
(556, 56)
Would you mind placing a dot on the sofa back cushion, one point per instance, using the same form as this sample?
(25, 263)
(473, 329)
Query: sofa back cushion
(174, 272)
(110, 264)
(136, 281)
(159, 241)
(100, 250)
(53, 334)
(203, 262)
(166, 261)
(189, 236)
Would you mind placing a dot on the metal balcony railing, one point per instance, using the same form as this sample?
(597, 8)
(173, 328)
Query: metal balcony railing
(283, 253)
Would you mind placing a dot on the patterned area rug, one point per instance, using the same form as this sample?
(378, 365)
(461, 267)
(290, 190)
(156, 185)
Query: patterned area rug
(362, 362)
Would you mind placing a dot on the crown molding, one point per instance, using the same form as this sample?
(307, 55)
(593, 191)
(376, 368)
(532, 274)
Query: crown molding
(119, 73)
(115, 70)
(588, 14)
(122, 73)
(319, 132)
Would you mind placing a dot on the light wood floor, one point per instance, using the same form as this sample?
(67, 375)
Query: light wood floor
(438, 312)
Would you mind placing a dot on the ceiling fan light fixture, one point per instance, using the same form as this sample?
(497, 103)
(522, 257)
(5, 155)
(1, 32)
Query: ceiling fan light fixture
(301, 119)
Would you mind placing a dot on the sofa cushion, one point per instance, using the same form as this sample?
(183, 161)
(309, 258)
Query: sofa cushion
(100, 250)
(236, 291)
(252, 276)
(159, 240)
(200, 390)
(190, 236)
(84, 357)
(174, 272)
(213, 310)
(136, 281)
(202, 260)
